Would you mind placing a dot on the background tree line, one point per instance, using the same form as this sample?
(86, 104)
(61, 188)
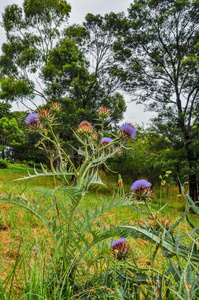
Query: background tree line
(151, 53)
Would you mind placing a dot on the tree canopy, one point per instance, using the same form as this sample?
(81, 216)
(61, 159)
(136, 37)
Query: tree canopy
(161, 67)
(40, 62)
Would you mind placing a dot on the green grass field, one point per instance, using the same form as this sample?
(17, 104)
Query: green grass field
(23, 236)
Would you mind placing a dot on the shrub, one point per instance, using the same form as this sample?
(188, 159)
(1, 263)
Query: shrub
(3, 163)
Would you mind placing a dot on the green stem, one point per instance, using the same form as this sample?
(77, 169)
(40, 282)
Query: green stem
(60, 149)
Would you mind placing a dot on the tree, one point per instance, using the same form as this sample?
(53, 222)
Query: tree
(40, 61)
(31, 35)
(95, 39)
(11, 136)
(4, 109)
(160, 54)
(146, 157)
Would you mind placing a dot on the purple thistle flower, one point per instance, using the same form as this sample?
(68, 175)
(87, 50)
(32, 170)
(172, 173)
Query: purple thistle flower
(32, 119)
(140, 184)
(128, 130)
(105, 141)
(120, 248)
(117, 242)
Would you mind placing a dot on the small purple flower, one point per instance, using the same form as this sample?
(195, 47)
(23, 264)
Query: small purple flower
(115, 243)
(32, 119)
(105, 141)
(128, 130)
(140, 184)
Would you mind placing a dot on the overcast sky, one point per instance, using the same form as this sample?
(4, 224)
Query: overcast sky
(135, 113)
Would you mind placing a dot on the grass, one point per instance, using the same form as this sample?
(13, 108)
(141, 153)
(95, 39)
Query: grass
(25, 244)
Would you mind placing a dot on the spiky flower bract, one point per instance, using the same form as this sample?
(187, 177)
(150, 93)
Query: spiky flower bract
(104, 112)
(85, 123)
(55, 107)
(85, 128)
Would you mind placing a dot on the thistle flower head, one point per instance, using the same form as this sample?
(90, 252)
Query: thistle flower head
(45, 116)
(120, 248)
(128, 130)
(55, 107)
(85, 128)
(140, 184)
(85, 124)
(141, 188)
(105, 141)
(165, 222)
(94, 137)
(32, 119)
(104, 112)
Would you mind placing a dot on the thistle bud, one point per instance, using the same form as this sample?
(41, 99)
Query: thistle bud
(85, 128)
(55, 107)
(120, 184)
(165, 222)
(104, 113)
(44, 115)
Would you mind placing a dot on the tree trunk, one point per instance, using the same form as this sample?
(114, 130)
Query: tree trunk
(193, 184)
(193, 188)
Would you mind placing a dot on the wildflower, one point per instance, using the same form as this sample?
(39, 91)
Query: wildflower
(45, 116)
(55, 107)
(104, 112)
(128, 130)
(85, 124)
(85, 128)
(165, 222)
(120, 248)
(141, 188)
(140, 184)
(32, 119)
(105, 141)
(162, 221)
(120, 183)
(94, 137)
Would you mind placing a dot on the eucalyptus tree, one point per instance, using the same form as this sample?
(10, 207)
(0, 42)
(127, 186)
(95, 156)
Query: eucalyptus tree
(160, 55)
(96, 38)
(32, 32)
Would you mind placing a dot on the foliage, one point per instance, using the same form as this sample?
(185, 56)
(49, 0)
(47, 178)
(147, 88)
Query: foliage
(78, 232)
(11, 135)
(78, 263)
(160, 67)
(73, 228)
(3, 163)
(42, 63)
(149, 155)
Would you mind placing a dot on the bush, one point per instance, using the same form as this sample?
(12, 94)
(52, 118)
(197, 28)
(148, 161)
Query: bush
(3, 163)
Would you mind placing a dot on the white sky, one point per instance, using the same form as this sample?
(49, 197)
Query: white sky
(135, 113)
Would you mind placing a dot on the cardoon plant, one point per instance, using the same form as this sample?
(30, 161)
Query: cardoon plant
(71, 225)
